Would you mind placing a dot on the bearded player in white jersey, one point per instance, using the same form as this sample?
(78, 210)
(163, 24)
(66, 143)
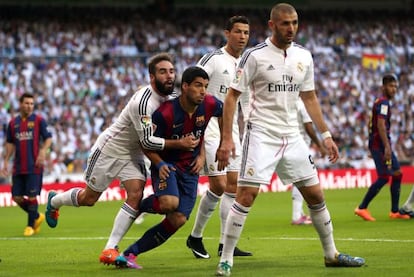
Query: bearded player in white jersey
(275, 73)
(220, 65)
(117, 154)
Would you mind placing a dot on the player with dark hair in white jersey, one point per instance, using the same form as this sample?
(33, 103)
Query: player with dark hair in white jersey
(220, 65)
(118, 154)
(275, 74)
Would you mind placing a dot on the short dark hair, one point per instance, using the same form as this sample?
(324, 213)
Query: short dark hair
(235, 19)
(388, 78)
(281, 8)
(157, 59)
(25, 95)
(193, 72)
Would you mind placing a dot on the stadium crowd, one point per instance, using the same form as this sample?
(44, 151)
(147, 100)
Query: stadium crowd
(83, 66)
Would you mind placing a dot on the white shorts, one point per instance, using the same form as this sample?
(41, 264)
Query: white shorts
(210, 167)
(102, 169)
(263, 153)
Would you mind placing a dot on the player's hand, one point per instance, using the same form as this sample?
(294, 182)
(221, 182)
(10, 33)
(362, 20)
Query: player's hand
(197, 164)
(188, 143)
(164, 170)
(333, 153)
(324, 152)
(5, 170)
(41, 157)
(223, 153)
(387, 157)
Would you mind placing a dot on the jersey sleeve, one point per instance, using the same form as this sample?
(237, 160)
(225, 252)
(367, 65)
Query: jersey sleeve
(44, 132)
(143, 126)
(245, 73)
(159, 124)
(309, 82)
(207, 62)
(382, 109)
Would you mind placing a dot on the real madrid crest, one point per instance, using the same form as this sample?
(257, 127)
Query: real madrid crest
(250, 172)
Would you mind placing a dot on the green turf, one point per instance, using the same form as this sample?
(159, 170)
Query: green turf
(280, 249)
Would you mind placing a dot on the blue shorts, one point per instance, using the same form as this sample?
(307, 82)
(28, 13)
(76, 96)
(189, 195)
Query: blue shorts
(180, 184)
(382, 168)
(26, 184)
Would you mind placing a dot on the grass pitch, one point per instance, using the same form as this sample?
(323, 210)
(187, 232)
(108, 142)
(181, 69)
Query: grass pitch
(280, 249)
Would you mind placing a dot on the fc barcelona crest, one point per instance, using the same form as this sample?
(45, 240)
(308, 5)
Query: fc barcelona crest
(200, 121)
(162, 185)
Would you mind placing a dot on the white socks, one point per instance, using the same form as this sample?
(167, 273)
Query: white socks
(297, 204)
(123, 221)
(322, 222)
(66, 198)
(206, 208)
(234, 226)
(225, 206)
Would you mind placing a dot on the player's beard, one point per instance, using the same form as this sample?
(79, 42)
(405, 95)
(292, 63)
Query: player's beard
(163, 89)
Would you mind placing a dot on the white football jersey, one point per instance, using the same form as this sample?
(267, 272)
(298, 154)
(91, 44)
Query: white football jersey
(221, 68)
(133, 127)
(274, 78)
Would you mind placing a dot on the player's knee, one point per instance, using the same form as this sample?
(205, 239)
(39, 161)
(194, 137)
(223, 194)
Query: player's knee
(246, 199)
(217, 185)
(133, 199)
(177, 219)
(168, 203)
(86, 200)
(217, 189)
(231, 188)
(397, 175)
(18, 199)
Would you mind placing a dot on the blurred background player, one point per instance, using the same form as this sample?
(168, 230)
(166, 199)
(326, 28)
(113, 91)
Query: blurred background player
(386, 162)
(28, 139)
(309, 135)
(175, 173)
(220, 65)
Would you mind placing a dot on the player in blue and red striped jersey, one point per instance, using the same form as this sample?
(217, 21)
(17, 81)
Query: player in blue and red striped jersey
(386, 162)
(28, 139)
(174, 172)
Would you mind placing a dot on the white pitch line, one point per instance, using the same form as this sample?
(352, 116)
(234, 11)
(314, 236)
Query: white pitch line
(213, 238)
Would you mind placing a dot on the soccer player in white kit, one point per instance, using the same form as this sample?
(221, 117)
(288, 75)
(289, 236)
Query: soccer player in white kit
(220, 65)
(117, 154)
(309, 135)
(275, 73)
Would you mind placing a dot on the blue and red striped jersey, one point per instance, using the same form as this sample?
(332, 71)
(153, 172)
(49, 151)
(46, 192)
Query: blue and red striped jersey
(380, 109)
(172, 122)
(27, 136)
